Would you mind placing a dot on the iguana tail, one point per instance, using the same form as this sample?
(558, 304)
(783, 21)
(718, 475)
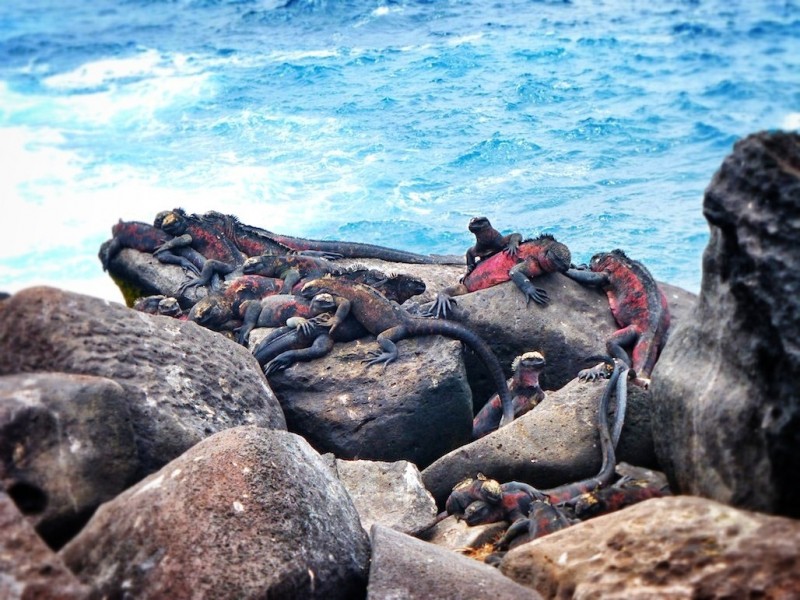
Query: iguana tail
(359, 250)
(458, 332)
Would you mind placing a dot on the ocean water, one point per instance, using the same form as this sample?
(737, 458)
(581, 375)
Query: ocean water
(391, 122)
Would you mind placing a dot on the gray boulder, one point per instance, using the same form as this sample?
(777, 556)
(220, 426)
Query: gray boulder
(573, 326)
(183, 382)
(555, 443)
(248, 512)
(66, 446)
(726, 407)
(28, 568)
(408, 568)
(391, 494)
(416, 409)
(678, 547)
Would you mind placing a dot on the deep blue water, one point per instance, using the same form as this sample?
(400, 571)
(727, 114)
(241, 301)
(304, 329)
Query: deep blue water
(600, 122)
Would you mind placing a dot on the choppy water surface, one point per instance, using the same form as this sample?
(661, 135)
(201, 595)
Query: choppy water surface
(600, 122)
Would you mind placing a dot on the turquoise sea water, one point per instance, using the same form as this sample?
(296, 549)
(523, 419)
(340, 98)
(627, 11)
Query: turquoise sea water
(600, 122)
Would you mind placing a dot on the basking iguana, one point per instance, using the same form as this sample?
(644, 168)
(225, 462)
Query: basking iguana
(489, 241)
(254, 241)
(273, 312)
(639, 306)
(483, 500)
(391, 323)
(525, 390)
(533, 258)
(147, 238)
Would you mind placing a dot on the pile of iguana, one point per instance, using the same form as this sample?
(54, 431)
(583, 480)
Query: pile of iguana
(288, 282)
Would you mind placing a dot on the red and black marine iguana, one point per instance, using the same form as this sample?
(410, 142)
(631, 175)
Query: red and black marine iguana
(227, 243)
(535, 512)
(525, 391)
(391, 323)
(489, 241)
(533, 258)
(152, 240)
(639, 306)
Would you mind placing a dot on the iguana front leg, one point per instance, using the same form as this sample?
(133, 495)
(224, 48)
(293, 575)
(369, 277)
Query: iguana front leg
(538, 295)
(389, 352)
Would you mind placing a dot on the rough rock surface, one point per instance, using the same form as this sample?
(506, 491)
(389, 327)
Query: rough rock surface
(28, 568)
(677, 547)
(391, 494)
(408, 568)
(66, 445)
(183, 382)
(573, 326)
(248, 512)
(727, 410)
(414, 409)
(555, 443)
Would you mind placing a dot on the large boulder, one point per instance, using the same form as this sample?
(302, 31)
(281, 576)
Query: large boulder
(28, 568)
(183, 382)
(678, 547)
(414, 409)
(391, 494)
(727, 411)
(66, 446)
(555, 443)
(574, 325)
(248, 512)
(408, 568)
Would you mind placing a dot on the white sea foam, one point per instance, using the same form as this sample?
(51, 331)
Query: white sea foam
(791, 121)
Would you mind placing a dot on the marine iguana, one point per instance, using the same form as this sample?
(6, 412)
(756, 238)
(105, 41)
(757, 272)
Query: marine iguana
(514, 500)
(254, 241)
(391, 323)
(273, 312)
(147, 238)
(224, 311)
(533, 258)
(639, 306)
(525, 391)
(489, 241)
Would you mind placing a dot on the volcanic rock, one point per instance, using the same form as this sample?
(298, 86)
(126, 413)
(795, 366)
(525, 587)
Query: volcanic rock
(573, 326)
(391, 494)
(405, 567)
(66, 445)
(248, 512)
(555, 443)
(416, 409)
(727, 411)
(28, 568)
(183, 382)
(675, 547)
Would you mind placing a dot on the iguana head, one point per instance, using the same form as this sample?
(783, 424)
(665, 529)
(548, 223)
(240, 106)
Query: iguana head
(477, 224)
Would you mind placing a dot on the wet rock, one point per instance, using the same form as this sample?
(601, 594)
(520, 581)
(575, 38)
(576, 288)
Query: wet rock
(28, 568)
(727, 411)
(248, 512)
(183, 382)
(66, 445)
(414, 409)
(405, 567)
(391, 494)
(677, 547)
(555, 443)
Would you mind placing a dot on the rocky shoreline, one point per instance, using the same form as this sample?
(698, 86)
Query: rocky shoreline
(146, 456)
